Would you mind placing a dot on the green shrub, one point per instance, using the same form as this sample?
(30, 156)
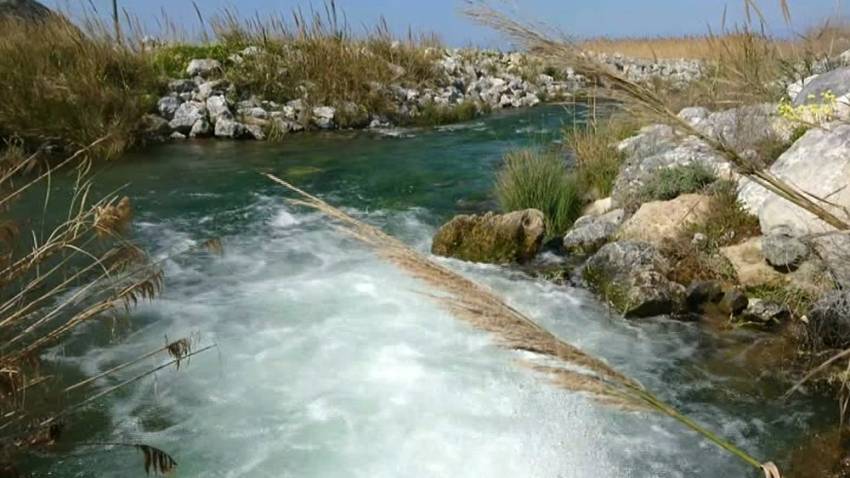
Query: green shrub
(670, 183)
(597, 159)
(727, 222)
(539, 180)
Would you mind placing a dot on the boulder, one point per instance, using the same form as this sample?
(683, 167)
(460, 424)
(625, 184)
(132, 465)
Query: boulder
(186, 115)
(167, 106)
(747, 126)
(819, 164)
(734, 302)
(632, 277)
(203, 67)
(828, 322)
(227, 128)
(589, 233)
(660, 221)
(323, 117)
(218, 108)
(492, 238)
(255, 132)
(750, 265)
(783, 251)
(209, 88)
(694, 114)
(793, 90)
(598, 207)
(155, 127)
(836, 82)
(200, 129)
(182, 86)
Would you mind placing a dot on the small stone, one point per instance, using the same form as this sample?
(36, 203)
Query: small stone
(255, 132)
(764, 312)
(734, 302)
(177, 135)
(203, 67)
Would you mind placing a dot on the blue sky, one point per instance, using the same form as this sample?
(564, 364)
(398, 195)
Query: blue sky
(579, 17)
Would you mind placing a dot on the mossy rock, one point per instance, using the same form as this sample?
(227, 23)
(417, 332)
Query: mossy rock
(492, 238)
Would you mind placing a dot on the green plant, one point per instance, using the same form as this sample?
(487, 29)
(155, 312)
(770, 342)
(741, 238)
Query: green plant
(433, 114)
(597, 160)
(726, 222)
(539, 179)
(670, 183)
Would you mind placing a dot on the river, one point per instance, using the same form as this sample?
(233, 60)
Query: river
(331, 363)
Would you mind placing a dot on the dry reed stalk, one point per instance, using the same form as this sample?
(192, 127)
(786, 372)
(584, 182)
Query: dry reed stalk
(468, 301)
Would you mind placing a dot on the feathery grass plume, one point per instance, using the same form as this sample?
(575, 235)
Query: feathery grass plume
(642, 100)
(468, 301)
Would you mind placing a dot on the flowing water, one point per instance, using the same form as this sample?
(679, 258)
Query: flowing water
(331, 363)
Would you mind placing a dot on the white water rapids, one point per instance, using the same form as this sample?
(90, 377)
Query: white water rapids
(330, 363)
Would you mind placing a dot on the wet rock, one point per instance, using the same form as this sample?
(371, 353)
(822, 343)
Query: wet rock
(734, 302)
(783, 251)
(632, 276)
(819, 164)
(828, 320)
(155, 127)
(492, 238)
(187, 115)
(255, 132)
(167, 106)
(764, 313)
(701, 293)
(218, 108)
(200, 129)
(177, 135)
(203, 67)
(589, 233)
(657, 222)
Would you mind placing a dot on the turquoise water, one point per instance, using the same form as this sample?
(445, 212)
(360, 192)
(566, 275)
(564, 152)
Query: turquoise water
(332, 363)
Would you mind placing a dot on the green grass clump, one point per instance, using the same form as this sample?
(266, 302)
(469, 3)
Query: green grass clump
(433, 114)
(597, 159)
(63, 86)
(539, 179)
(170, 61)
(670, 183)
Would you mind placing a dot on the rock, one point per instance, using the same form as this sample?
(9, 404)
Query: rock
(227, 128)
(632, 276)
(255, 132)
(589, 233)
(29, 10)
(182, 86)
(167, 106)
(323, 117)
(834, 250)
(764, 312)
(218, 108)
(177, 135)
(694, 114)
(795, 88)
(750, 265)
(209, 88)
(155, 126)
(200, 129)
(747, 126)
(204, 68)
(492, 238)
(828, 322)
(598, 207)
(734, 302)
(660, 221)
(701, 293)
(783, 251)
(836, 82)
(187, 115)
(819, 164)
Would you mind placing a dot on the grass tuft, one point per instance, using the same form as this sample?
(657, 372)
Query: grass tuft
(539, 179)
(597, 159)
(670, 183)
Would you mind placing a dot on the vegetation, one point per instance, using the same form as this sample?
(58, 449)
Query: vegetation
(670, 183)
(66, 88)
(434, 114)
(593, 146)
(539, 179)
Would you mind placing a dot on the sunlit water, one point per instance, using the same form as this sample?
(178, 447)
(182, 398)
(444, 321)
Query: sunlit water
(331, 363)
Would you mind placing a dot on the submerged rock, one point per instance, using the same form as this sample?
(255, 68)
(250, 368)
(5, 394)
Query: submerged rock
(492, 238)
(589, 233)
(632, 276)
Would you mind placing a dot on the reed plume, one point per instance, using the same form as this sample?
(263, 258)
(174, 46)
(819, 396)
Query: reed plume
(467, 300)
